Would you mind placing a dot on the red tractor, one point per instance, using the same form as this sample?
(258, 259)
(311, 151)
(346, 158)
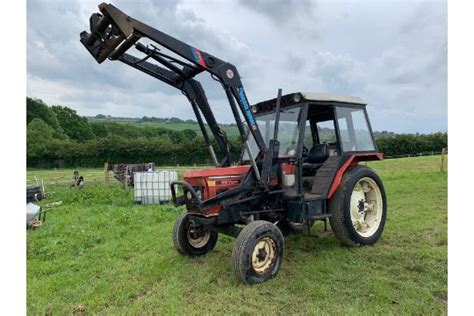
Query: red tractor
(299, 162)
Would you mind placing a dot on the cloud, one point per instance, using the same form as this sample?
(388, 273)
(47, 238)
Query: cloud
(392, 54)
(296, 15)
(281, 11)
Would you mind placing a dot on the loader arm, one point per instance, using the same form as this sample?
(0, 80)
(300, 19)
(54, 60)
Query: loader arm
(193, 90)
(113, 33)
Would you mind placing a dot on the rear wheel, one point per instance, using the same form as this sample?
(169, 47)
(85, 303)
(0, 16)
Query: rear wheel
(358, 208)
(258, 252)
(193, 239)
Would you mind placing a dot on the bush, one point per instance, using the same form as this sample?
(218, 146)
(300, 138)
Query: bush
(164, 150)
(412, 144)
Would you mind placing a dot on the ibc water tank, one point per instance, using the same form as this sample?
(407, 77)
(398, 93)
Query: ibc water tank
(153, 187)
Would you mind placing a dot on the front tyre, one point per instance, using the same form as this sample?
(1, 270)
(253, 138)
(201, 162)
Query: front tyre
(258, 252)
(358, 208)
(192, 239)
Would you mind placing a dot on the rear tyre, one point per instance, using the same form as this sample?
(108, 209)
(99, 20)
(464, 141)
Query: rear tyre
(258, 252)
(358, 208)
(192, 239)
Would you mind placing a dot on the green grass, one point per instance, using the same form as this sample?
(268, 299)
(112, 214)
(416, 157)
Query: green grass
(100, 253)
(231, 130)
(64, 176)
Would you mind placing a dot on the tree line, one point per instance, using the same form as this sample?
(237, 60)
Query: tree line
(58, 137)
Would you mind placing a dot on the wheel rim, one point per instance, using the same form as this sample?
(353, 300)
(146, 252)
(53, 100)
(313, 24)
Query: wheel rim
(366, 207)
(263, 255)
(197, 237)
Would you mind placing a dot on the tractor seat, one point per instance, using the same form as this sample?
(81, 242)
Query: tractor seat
(316, 157)
(318, 154)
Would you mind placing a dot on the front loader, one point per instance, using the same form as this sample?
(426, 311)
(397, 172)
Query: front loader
(299, 162)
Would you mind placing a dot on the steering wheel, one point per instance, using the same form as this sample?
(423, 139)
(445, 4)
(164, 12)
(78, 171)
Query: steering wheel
(305, 151)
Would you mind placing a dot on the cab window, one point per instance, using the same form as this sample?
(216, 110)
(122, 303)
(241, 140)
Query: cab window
(326, 132)
(354, 129)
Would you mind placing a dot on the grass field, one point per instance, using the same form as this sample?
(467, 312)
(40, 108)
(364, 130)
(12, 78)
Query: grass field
(102, 254)
(64, 176)
(231, 130)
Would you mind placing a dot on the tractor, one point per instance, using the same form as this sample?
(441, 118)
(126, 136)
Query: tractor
(299, 162)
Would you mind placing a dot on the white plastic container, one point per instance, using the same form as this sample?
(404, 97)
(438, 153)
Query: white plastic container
(288, 180)
(153, 187)
(32, 212)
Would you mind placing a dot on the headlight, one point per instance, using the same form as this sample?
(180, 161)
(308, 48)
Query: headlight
(254, 109)
(199, 194)
(189, 196)
(297, 97)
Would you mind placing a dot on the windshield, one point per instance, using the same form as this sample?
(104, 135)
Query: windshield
(288, 132)
(354, 130)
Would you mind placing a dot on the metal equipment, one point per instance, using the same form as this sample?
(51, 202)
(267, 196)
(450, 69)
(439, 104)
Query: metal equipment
(299, 162)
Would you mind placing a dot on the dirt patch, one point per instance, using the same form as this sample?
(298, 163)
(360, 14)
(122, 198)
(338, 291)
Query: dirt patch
(79, 309)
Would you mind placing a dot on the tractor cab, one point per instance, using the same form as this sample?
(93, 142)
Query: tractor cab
(317, 133)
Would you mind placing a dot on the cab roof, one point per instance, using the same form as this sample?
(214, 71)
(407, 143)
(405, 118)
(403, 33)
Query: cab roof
(323, 97)
(300, 97)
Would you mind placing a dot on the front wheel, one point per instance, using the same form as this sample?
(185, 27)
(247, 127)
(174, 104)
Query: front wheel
(358, 208)
(258, 252)
(192, 239)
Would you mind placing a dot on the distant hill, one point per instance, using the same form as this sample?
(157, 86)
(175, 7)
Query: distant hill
(177, 124)
(172, 123)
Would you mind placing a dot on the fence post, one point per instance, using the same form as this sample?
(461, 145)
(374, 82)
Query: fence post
(55, 176)
(106, 173)
(443, 153)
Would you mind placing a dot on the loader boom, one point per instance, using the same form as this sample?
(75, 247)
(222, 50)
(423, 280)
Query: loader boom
(113, 33)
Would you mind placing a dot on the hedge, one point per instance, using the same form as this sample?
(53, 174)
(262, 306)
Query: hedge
(164, 151)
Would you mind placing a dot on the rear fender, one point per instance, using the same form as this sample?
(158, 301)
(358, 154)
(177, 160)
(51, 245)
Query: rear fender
(351, 161)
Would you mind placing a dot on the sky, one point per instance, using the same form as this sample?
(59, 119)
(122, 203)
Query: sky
(392, 54)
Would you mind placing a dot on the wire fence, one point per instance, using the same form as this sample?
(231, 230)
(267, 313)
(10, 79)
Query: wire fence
(427, 153)
(65, 176)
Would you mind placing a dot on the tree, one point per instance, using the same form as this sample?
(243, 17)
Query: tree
(38, 136)
(75, 126)
(99, 129)
(100, 116)
(189, 134)
(38, 131)
(36, 108)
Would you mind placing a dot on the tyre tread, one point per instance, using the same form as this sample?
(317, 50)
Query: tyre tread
(240, 250)
(336, 207)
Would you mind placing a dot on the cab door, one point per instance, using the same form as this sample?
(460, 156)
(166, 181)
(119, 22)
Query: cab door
(291, 136)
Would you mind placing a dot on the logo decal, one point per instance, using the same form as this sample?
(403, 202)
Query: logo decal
(197, 56)
(248, 111)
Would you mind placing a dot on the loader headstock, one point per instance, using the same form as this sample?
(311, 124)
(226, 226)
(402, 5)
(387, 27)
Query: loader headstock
(111, 33)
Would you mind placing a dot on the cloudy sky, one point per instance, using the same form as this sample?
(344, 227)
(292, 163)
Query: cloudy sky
(392, 54)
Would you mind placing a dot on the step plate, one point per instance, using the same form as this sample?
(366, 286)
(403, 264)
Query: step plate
(325, 176)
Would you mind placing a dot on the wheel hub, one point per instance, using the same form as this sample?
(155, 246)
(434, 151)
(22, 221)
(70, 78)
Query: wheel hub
(362, 206)
(366, 207)
(264, 255)
(198, 237)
